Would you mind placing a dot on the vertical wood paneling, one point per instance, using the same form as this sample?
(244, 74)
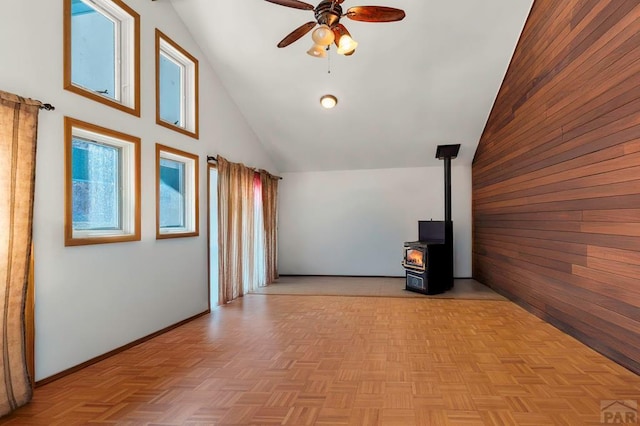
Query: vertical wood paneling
(556, 176)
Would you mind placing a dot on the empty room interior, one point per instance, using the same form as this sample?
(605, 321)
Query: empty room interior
(281, 212)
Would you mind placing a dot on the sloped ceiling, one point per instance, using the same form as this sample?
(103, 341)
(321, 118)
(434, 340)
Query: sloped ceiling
(411, 85)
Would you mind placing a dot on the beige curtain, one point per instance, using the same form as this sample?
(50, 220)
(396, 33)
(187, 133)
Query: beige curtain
(18, 127)
(235, 230)
(269, 211)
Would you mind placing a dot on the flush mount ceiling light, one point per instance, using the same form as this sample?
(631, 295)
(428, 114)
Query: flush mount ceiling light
(328, 101)
(330, 30)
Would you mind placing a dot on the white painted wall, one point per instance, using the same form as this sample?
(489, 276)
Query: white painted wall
(354, 222)
(92, 299)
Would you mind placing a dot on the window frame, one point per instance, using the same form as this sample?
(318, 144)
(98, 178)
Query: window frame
(191, 100)
(192, 188)
(129, 56)
(130, 177)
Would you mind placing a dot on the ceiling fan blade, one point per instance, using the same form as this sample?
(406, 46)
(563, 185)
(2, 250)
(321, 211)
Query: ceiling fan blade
(297, 33)
(375, 14)
(293, 3)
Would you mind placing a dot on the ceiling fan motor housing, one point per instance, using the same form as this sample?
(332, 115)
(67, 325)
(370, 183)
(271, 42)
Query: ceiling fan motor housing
(328, 12)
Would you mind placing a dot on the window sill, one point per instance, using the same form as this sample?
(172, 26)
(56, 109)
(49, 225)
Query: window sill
(70, 242)
(167, 235)
(193, 134)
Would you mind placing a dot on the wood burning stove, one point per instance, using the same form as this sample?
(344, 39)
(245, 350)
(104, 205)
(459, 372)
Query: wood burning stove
(428, 262)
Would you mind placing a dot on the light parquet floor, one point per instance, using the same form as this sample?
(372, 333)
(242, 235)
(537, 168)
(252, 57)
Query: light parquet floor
(323, 360)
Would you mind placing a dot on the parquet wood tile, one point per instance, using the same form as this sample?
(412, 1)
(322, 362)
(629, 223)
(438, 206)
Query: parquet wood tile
(296, 360)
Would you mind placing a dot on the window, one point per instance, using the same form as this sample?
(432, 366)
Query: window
(102, 52)
(176, 87)
(102, 185)
(176, 193)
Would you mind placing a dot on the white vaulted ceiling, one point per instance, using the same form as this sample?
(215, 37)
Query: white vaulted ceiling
(411, 85)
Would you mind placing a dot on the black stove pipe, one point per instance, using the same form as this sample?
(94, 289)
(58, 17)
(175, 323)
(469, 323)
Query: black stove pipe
(447, 189)
(447, 153)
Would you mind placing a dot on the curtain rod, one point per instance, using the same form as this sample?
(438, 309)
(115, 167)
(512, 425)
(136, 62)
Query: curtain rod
(215, 158)
(47, 107)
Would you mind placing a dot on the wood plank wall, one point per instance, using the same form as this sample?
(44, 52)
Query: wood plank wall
(556, 177)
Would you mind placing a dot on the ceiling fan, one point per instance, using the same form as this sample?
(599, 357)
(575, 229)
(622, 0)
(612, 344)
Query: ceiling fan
(330, 30)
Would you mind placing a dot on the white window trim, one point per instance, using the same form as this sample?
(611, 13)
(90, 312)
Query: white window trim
(126, 58)
(189, 190)
(187, 84)
(185, 111)
(124, 51)
(127, 182)
(167, 48)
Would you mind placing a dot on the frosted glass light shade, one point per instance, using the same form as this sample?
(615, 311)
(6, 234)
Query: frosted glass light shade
(346, 45)
(323, 35)
(317, 51)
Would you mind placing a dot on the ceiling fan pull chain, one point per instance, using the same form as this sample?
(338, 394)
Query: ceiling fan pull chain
(328, 61)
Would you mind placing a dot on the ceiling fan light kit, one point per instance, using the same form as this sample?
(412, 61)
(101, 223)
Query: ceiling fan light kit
(346, 45)
(328, 14)
(317, 51)
(323, 35)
